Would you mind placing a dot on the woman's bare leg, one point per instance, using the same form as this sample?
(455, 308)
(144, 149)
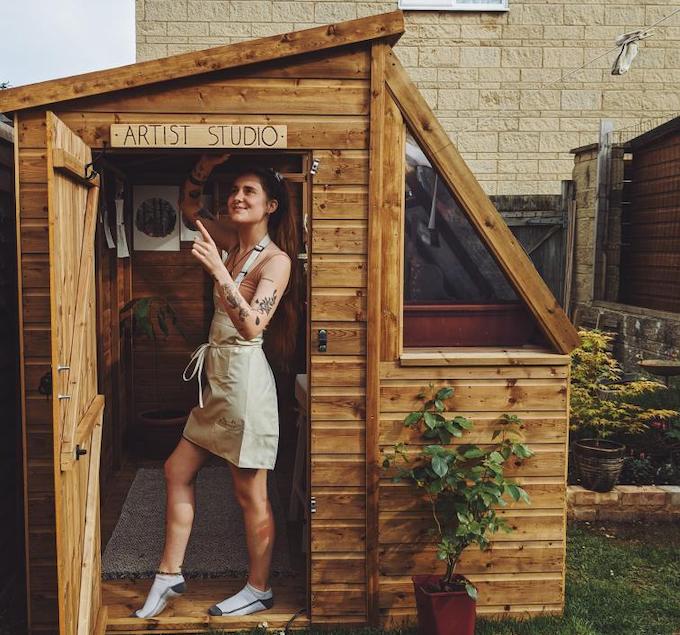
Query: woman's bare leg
(181, 469)
(250, 487)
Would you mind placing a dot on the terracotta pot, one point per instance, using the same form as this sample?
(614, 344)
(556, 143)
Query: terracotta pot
(160, 431)
(599, 463)
(443, 613)
(467, 325)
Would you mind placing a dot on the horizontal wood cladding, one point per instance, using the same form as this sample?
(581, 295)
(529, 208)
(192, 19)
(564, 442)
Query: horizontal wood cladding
(481, 356)
(329, 568)
(32, 166)
(344, 338)
(333, 535)
(339, 237)
(344, 501)
(35, 271)
(548, 460)
(338, 403)
(339, 304)
(33, 201)
(524, 588)
(348, 167)
(339, 270)
(548, 427)
(330, 438)
(338, 370)
(37, 342)
(340, 202)
(328, 598)
(545, 492)
(304, 131)
(338, 469)
(240, 95)
(396, 370)
(526, 524)
(480, 395)
(502, 557)
(34, 236)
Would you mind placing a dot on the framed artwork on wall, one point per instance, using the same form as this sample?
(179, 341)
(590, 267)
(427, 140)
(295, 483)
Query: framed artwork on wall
(156, 218)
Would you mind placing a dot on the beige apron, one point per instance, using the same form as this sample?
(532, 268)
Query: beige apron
(237, 416)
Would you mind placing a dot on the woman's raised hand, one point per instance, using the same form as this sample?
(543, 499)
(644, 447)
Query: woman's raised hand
(211, 160)
(205, 251)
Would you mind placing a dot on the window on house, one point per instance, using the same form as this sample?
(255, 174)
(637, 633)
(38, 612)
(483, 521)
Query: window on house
(455, 5)
(455, 294)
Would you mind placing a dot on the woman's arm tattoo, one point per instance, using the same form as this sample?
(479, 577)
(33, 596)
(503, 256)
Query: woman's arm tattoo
(233, 297)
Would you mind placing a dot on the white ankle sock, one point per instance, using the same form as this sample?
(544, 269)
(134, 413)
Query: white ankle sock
(166, 586)
(248, 600)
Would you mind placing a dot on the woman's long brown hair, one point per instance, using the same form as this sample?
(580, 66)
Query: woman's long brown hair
(281, 332)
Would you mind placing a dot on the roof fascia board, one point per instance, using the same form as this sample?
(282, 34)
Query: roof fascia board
(479, 209)
(389, 26)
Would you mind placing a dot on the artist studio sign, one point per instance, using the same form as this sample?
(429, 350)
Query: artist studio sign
(193, 135)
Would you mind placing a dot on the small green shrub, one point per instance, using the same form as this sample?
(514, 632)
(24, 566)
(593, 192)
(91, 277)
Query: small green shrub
(464, 483)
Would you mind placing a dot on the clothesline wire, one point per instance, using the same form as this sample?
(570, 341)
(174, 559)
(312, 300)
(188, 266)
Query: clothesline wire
(562, 77)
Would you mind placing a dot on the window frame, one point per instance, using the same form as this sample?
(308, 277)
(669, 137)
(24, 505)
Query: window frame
(428, 5)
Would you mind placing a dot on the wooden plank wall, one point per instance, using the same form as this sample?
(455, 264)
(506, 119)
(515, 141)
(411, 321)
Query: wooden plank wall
(524, 571)
(34, 341)
(650, 250)
(324, 101)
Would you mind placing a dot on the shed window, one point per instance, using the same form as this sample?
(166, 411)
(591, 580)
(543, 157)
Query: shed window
(455, 5)
(455, 294)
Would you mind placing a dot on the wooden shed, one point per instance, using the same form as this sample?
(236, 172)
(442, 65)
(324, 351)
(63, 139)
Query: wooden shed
(389, 185)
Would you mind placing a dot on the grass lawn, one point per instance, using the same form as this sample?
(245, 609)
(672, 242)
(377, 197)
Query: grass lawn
(621, 579)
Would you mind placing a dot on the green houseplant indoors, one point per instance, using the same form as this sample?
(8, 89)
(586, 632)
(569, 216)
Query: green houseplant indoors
(464, 484)
(603, 406)
(159, 428)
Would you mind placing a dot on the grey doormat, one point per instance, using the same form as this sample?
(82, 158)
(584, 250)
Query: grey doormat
(217, 546)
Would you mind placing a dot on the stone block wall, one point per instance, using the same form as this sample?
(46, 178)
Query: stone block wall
(494, 79)
(625, 503)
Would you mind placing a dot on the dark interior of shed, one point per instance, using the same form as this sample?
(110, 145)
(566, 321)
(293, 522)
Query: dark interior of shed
(141, 373)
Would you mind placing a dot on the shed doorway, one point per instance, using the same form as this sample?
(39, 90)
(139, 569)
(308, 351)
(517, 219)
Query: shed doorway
(138, 374)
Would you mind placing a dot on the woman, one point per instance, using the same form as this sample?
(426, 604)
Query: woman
(237, 415)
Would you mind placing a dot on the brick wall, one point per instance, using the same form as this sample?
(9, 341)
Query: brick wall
(487, 75)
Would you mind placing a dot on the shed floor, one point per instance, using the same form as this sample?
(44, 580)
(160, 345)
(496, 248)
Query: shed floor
(189, 613)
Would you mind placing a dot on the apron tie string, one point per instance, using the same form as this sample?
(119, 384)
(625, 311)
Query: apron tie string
(197, 359)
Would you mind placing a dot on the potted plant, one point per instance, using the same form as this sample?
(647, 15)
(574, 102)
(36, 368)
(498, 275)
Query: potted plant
(159, 428)
(464, 484)
(603, 405)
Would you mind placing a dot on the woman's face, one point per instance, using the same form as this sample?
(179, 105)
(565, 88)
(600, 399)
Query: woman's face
(247, 201)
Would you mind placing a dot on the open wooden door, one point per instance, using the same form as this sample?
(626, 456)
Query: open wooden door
(77, 407)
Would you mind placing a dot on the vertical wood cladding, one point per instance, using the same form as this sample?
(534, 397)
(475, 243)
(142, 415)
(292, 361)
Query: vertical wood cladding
(650, 250)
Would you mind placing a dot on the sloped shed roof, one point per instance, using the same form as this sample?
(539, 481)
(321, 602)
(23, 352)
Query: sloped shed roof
(441, 151)
(387, 25)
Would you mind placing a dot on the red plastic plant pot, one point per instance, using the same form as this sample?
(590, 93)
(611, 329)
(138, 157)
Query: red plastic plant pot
(443, 612)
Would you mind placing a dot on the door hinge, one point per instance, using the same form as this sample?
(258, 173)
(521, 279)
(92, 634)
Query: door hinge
(312, 505)
(80, 452)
